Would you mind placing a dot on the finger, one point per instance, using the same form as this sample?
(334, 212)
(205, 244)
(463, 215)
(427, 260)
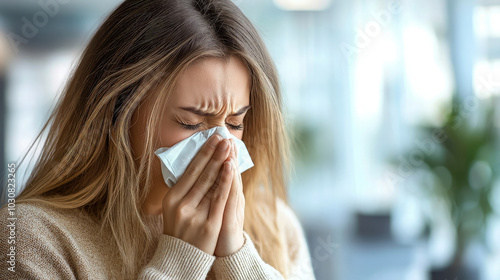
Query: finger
(220, 195)
(236, 150)
(232, 200)
(207, 178)
(205, 202)
(196, 167)
(237, 164)
(241, 204)
(240, 197)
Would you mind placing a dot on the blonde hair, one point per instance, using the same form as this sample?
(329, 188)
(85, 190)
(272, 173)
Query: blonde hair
(138, 52)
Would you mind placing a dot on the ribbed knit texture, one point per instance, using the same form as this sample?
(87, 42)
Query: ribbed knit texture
(66, 244)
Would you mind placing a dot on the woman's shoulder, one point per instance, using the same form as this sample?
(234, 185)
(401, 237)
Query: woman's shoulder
(287, 216)
(35, 208)
(26, 212)
(52, 241)
(39, 218)
(292, 230)
(37, 211)
(297, 246)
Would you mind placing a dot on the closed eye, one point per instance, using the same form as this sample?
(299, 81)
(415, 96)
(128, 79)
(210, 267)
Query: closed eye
(196, 126)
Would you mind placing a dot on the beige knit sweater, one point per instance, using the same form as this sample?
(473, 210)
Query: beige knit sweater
(66, 244)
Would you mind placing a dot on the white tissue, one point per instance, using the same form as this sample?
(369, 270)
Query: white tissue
(175, 159)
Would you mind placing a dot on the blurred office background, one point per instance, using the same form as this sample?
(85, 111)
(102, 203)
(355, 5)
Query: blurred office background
(395, 108)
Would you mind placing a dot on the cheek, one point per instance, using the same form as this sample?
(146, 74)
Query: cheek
(237, 133)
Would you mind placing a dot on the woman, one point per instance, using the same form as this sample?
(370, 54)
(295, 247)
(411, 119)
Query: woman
(96, 205)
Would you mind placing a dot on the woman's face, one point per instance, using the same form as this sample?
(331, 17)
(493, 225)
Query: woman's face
(210, 92)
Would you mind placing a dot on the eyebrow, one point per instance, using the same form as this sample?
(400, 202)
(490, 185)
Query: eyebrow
(206, 114)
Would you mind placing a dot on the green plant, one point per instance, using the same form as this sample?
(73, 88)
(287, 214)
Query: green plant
(464, 166)
(303, 145)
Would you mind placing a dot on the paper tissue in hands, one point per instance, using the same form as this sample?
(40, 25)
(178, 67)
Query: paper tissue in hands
(175, 159)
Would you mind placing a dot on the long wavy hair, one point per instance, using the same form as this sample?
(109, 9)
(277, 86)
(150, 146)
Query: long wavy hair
(138, 52)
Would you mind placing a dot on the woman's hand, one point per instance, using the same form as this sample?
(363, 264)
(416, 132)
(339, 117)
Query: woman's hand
(231, 234)
(193, 208)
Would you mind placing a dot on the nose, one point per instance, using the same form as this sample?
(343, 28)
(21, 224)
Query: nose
(223, 124)
(216, 121)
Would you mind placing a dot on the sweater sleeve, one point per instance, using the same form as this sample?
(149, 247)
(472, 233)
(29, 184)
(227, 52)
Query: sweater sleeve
(246, 263)
(177, 259)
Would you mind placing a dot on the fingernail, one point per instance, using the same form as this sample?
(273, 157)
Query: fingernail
(214, 140)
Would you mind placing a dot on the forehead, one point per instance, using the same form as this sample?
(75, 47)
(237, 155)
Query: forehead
(211, 82)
